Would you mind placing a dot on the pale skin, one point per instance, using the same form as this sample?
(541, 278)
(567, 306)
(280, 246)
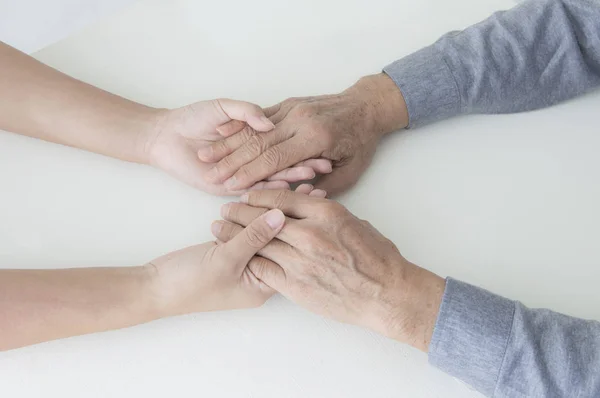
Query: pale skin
(40, 102)
(42, 305)
(336, 265)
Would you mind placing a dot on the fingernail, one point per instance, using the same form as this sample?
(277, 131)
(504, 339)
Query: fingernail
(216, 228)
(230, 183)
(274, 218)
(266, 121)
(225, 210)
(205, 152)
(244, 198)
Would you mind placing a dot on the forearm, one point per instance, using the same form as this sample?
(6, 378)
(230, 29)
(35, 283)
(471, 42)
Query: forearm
(39, 101)
(532, 56)
(43, 305)
(503, 348)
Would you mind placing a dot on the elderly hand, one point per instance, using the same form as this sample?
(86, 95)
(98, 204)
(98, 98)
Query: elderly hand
(343, 128)
(179, 134)
(339, 266)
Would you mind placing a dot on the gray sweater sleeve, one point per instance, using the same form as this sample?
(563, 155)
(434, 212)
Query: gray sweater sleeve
(504, 349)
(535, 55)
(532, 56)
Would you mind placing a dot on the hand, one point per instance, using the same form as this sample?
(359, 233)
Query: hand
(336, 265)
(214, 275)
(210, 277)
(179, 134)
(343, 128)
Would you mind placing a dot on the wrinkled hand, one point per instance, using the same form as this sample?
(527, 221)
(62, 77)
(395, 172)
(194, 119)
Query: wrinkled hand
(339, 266)
(343, 128)
(180, 133)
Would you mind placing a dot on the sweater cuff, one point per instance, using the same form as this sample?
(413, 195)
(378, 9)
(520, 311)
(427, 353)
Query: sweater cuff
(471, 335)
(427, 85)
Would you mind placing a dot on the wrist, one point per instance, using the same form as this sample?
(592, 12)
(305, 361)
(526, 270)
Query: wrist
(157, 302)
(381, 102)
(411, 305)
(147, 125)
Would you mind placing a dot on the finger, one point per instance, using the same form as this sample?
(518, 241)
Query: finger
(251, 149)
(244, 215)
(270, 111)
(254, 237)
(247, 112)
(276, 250)
(272, 160)
(294, 174)
(230, 128)
(278, 185)
(320, 166)
(342, 178)
(219, 149)
(268, 272)
(291, 203)
(305, 188)
(318, 193)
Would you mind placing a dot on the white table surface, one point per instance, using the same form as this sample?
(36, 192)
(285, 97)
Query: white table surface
(30, 25)
(506, 202)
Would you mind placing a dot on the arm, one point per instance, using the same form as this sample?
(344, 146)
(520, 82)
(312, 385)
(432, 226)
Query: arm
(532, 56)
(341, 267)
(505, 349)
(537, 54)
(41, 102)
(42, 305)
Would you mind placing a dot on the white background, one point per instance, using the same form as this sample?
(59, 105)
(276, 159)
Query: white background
(509, 203)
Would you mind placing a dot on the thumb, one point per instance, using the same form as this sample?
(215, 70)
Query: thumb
(269, 273)
(255, 236)
(342, 178)
(230, 128)
(246, 112)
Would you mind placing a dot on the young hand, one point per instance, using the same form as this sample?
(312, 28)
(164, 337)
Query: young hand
(179, 134)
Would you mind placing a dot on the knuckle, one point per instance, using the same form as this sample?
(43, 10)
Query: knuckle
(256, 237)
(280, 199)
(245, 174)
(258, 266)
(305, 110)
(331, 208)
(221, 147)
(273, 157)
(225, 164)
(255, 145)
(246, 133)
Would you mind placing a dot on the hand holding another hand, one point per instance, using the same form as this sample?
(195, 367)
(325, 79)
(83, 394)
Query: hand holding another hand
(179, 134)
(343, 128)
(211, 276)
(339, 266)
